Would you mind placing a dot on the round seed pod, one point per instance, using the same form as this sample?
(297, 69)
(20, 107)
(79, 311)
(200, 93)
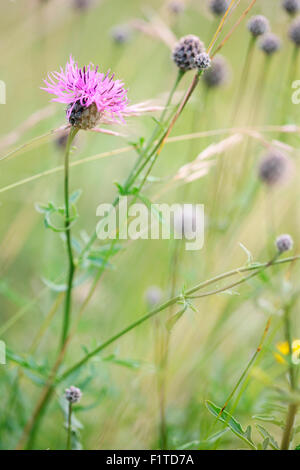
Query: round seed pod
(120, 34)
(176, 7)
(258, 25)
(294, 32)
(203, 61)
(218, 7)
(270, 43)
(82, 4)
(274, 168)
(185, 52)
(82, 117)
(291, 6)
(284, 243)
(73, 394)
(218, 74)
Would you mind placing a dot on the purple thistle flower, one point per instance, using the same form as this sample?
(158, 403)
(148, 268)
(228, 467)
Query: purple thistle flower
(82, 88)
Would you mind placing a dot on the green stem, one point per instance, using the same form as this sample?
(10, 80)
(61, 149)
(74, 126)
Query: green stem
(188, 294)
(292, 409)
(69, 426)
(71, 271)
(141, 161)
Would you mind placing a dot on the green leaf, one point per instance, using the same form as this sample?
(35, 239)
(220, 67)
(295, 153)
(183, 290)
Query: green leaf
(231, 422)
(266, 435)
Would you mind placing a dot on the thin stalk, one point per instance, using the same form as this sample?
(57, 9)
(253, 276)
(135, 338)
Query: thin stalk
(292, 409)
(32, 424)
(69, 426)
(244, 78)
(174, 300)
(68, 298)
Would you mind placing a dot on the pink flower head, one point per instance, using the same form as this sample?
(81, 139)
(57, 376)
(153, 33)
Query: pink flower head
(87, 86)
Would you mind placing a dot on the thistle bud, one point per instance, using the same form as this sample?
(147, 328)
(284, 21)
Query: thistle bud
(274, 168)
(186, 51)
(217, 74)
(203, 61)
(270, 43)
(258, 25)
(176, 7)
(153, 296)
(219, 7)
(294, 32)
(284, 243)
(73, 394)
(291, 6)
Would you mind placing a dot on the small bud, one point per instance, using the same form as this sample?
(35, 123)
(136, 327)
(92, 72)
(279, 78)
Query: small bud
(73, 394)
(219, 7)
(203, 61)
(82, 4)
(120, 34)
(217, 74)
(291, 6)
(185, 52)
(258, 25)
(84, 118)
(274, 168)
(270, 43)
(284, 243)
(176, 7)
(294, 32)
(153, 296)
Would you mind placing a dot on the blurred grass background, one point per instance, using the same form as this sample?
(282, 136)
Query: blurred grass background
(210, 348)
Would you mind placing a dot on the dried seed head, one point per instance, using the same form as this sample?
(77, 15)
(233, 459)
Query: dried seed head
(203, 61)
(270, 43)
(120, 34)
(176, 7)
(274, 168)
(258, 25)
(185, 52)
(217, 74)
(82, 4)
(294, 32)
(219, 7)
(284, 243)
(153, 296)
(84, 118)
(73, 394)
(291, 6)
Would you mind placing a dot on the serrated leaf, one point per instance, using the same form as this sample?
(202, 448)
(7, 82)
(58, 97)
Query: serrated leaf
(266, 435)
(231, 422)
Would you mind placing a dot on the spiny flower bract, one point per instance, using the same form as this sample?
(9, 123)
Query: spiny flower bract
(87, 86)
